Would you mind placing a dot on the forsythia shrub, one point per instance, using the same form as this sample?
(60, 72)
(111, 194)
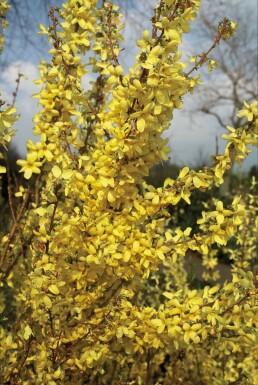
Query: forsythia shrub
(94, 289)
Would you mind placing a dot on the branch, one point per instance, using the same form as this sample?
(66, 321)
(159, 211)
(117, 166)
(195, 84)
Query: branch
(15, 93)
(13, 229)
(204, 56)
(223, 29)
(209, 112)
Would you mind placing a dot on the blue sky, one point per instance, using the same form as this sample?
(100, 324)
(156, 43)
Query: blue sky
(192, 136)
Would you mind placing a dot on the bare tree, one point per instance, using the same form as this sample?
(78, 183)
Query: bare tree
(235, 80)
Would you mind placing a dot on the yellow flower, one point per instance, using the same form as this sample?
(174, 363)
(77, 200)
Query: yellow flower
(212, 64)
(30, 165)
(249, 111)
(7, 118)
(227, 28)
(21, 192)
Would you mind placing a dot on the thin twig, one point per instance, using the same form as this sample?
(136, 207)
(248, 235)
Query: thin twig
(109, 25)
(148, 374)
(198, 368)
(15, 378)
(52, 222)
(15, 93)
(13, 229)
(54, 20)
(204, 56)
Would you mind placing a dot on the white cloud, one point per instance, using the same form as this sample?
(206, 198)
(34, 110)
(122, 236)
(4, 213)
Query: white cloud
(86, 79)
(10, 74)
(25, 104)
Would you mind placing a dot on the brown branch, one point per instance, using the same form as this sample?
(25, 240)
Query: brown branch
(15, 379)
(55, 351)
(54, 20)
(154, 20)
(238, 381)
(198, 368)
(36, 193)
(52, 220)
(209, 112)
(204, 56)
(246, 296)
(98, 102)
(9, 190)
(109, 25)
(113, 373)
(13, 229)
(223, 27)
(148, 369)
(15, 93)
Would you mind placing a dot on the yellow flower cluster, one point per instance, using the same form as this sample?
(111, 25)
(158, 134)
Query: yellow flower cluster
(245, 254)
(84, 253)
